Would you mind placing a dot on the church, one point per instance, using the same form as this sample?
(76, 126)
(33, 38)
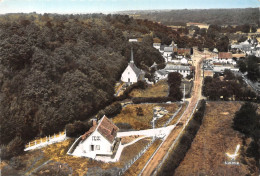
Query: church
(132, 74)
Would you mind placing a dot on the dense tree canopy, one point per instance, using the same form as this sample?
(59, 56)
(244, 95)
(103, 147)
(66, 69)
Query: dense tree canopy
(56, 69)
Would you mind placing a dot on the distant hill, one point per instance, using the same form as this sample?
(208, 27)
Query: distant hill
(209, 16)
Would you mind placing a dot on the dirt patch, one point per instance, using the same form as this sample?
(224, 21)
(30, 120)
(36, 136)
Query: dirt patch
(224, 113)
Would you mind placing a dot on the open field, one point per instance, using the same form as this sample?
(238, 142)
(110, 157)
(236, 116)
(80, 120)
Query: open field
(129, 115)
(160, 89)
(214, 138)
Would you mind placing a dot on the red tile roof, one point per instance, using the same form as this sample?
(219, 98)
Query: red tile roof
(107, 129)
(224, 55)
(89, 132)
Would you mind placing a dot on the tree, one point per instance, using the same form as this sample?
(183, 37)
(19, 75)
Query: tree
(242, 66)
(174, 81)
(252, 68)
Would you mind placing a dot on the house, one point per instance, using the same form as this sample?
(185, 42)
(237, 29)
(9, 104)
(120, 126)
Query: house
(167, 53)
(132, 74)
(100, 140)
(160, 74)
(184, 61)
(157, 45)
(133, 40)
(183, 70)
(224, 58)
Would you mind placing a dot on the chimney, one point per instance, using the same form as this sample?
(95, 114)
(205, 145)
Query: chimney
(94, 121)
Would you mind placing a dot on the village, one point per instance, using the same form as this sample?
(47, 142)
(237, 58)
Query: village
(170, 91)
(107, 142)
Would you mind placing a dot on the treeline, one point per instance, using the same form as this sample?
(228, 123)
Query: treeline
(209, 16)
(56, 69)
(230, 88)
(177, 155)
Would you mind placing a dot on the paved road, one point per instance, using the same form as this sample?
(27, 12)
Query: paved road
(155, 161)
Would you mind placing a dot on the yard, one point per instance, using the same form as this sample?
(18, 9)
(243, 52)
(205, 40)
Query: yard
(160, 89)
(214, 138)
(129, 115)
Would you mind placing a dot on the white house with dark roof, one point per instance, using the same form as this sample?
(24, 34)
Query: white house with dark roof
(132, 74)
(99, 140)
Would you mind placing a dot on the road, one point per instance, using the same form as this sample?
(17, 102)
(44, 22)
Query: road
(158, 157)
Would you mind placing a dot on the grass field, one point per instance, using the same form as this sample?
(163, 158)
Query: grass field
(160, 89)
(129, 115)
(214, 138)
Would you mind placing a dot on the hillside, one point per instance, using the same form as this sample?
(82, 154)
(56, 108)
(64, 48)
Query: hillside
(55, 69)
(209, 16)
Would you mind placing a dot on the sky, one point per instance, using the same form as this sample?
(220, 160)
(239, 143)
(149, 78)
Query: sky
(110, 6)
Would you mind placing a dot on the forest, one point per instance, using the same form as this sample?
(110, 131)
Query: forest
(208, 16)
(57, 69)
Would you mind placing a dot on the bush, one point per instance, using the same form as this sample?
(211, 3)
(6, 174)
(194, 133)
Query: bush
(77, 128)
(123, 126)
(138, 100)
(110, 111)
(14, 148)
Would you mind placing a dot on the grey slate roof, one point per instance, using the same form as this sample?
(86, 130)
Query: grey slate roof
(162, 72)
(177, 67)
(168, 49)
(135, 69)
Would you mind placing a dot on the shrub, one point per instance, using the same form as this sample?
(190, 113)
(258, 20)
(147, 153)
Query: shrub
(77, 128)
(138, 100)
(14, 148)
(123, 126)
(110, 111)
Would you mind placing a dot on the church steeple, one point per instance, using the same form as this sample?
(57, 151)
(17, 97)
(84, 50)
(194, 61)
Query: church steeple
(132, 56)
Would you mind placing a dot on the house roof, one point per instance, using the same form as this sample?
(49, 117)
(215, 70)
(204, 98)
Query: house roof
(168, 49)
(107, 129)
(176, 67)
(89, 132)
(225, 55)
(162, 72)
(154, 64)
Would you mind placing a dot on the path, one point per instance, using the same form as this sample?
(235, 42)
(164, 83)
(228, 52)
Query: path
(196, 93)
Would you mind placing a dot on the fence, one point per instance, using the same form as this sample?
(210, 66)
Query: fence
(175, 141)
(42, 142)
(172, 117)
(132, 161)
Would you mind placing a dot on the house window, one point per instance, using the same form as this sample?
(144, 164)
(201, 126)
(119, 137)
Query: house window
(129, 80)
(129, 73)
(91, 147)
(97, 147)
